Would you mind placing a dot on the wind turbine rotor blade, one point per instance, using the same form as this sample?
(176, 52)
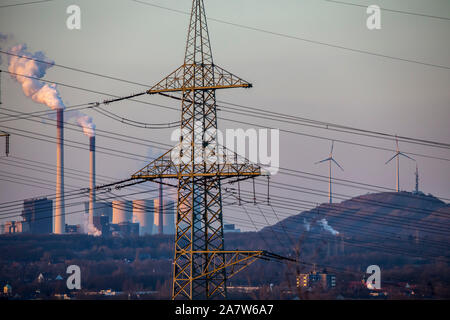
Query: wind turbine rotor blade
(395, 155)
(337, 164)
(324, 160)
(332, 147)
(401, 153)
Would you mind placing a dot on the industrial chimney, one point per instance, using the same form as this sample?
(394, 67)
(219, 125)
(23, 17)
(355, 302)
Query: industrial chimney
(160, 209)
(60, 223)
(92, 180)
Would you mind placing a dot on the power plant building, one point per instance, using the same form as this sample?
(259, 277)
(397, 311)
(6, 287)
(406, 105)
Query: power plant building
(37, 216)
(101, 209)
(11, 227)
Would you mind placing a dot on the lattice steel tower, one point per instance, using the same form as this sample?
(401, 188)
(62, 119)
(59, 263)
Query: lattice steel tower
(200, 164)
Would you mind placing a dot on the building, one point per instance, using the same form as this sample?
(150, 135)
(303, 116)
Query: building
(11, 227)
(125, 229)
(102, 224)
(100, 209)
(315, 279)
(230, 228)
(37, 216)
(73, 228)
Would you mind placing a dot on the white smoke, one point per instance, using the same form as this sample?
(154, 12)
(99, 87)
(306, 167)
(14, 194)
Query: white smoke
(28, 72)
(87, 124)
(327, 227)
(89, 228)
(306, 224)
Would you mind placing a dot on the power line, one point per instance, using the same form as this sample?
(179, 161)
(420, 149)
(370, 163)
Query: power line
(243, 122)
(380, 55)
(285, 201)
(78, 145)
(362, 244)
(284, 118)
(294, 232)
(285, 169)
(439, 246)
(310, 122)
(28, 115)
(74, 69)
(23, 4)
(100, 132)
(390, 10)
(291, 172)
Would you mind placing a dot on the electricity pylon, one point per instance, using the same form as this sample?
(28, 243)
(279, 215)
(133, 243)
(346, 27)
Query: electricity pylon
(201, 266)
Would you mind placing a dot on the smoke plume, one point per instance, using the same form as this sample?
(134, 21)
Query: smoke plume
(306, 224)
(86, 123)
(28, 72)
(89, 228)
(327, 227)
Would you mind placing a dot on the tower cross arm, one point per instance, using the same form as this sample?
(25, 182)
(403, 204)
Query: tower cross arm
(227, 165)
(213, 76)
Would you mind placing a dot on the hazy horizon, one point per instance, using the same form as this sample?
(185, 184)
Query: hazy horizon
(143, 44)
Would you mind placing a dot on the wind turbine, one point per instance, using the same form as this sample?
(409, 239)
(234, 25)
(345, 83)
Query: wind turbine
(330, 159)
(397, 155)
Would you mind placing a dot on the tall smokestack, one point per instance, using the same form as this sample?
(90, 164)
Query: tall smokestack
(60, 223)
(161, 209)
(92, 179)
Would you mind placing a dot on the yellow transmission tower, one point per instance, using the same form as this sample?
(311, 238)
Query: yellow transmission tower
(201, 265)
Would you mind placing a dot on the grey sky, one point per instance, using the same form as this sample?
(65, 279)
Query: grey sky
(141, 43)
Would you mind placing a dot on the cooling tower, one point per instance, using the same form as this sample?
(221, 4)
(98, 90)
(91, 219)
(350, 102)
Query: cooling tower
(143, 213)
(166, 215)
(60, 224)
(122, 211)
(92, 180)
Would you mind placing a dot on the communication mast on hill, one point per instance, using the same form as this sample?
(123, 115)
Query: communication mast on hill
(6, 135)
(201, 266)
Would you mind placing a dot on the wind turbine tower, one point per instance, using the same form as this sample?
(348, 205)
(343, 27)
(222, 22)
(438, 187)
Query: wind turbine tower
(397, 156)
(330, 159)
(417, 179)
